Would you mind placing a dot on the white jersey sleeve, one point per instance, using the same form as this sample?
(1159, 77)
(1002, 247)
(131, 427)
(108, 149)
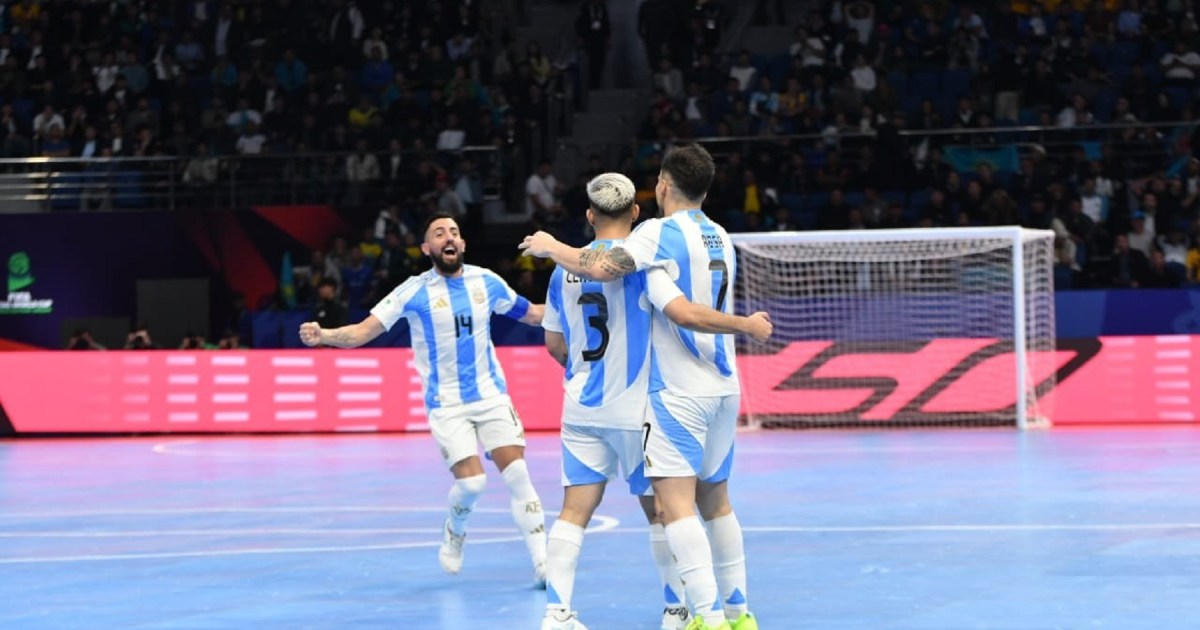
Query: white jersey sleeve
(552, 320)
(390, 309)
(642, 245)
(661, 288)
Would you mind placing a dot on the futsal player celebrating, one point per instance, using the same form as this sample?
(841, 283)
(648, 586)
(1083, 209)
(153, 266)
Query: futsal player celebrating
(600, 332)
(694, 388)
(449, 311)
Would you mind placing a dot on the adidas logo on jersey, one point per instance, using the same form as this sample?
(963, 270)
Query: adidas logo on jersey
(441, 303)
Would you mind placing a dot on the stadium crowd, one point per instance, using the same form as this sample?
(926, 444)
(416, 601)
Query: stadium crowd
(901, 114)
(859, 122)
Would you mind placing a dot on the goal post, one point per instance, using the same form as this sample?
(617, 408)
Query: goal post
(910, 327)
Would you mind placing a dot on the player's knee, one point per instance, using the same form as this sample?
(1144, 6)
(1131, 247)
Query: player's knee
(472, 486)
(516, 474)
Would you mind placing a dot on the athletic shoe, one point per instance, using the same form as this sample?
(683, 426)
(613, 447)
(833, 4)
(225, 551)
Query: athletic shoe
(539, 577)
(562, 620)
(674, 618)
(745, 622)
(451, 553)
(698, 624)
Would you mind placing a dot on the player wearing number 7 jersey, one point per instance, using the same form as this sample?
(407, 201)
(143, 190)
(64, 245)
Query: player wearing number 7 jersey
(694, 388)
(600, 332)
(449, 311)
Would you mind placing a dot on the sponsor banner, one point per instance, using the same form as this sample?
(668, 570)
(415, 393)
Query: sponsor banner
(1104, 380)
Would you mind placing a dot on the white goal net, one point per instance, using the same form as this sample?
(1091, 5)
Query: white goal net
(951, 326)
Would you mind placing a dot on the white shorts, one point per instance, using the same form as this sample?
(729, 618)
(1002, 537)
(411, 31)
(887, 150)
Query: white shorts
(690, 437)
(492, 422)
(594, 455)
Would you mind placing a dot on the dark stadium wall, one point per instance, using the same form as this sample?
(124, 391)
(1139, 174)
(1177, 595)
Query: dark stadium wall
(65, 268)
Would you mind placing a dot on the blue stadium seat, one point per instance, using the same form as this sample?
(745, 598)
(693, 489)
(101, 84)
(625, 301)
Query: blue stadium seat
(1125, 53)
(1180, 97)
(794, 202)
(816, 202)
(923, 84)
(780, 67)
(956, 83)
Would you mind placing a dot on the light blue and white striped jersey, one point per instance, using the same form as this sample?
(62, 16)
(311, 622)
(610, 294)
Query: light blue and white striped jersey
(699, 256)
(606, 326)
(450, 320)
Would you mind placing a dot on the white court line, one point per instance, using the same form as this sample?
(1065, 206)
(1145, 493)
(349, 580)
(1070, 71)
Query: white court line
(154, 533)
(606, 523)
(356, 363)
(609, 526)
(253, 551)
(227, 360)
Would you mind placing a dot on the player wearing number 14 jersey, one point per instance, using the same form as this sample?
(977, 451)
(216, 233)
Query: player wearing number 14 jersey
(601, 333)
(694, 388)
(449, 311)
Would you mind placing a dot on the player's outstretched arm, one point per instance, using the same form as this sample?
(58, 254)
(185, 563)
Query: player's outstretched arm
(534, 315)
(592, 264)
(351, 336)
(703, 319)
(556, 345)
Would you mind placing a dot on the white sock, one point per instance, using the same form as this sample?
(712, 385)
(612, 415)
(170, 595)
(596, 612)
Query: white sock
(690, 546)
(527, 509)
(562, 556)
(668, 572)
(729, 562)
(463, 495)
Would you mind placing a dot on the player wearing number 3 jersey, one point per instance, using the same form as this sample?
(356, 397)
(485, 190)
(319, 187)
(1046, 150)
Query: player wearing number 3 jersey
(449, 311)
(601, 332)
(694, 389)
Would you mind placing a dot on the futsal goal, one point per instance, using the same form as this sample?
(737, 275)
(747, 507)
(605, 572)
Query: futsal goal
(896, 328)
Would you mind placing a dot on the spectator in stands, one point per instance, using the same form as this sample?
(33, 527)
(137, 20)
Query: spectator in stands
(1141, 234)
(358, 276)
(669, 79)
(446, 199)
(329, 310)
(194, 341)
(251, 140)
(594, 30)
(1076, 114)
(1181, 65)
(1156, 274)
(362, 171)
(139, 339)
(1193, 261)
(82, 339)
(452, 138)
(542, 191)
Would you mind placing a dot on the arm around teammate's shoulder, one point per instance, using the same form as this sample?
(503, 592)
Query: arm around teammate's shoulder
(351, 336)
(534, 315)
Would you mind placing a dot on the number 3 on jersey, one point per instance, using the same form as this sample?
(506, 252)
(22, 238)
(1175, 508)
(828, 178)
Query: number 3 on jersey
(598, 321)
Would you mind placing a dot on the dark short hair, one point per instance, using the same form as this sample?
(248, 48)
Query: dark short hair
(691, 170)
(328, 282)
(436, 216)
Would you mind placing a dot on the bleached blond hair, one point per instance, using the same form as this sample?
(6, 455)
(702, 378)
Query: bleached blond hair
(611, 194)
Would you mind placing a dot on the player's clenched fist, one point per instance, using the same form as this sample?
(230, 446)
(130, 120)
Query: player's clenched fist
(310, 334)
(761, 326)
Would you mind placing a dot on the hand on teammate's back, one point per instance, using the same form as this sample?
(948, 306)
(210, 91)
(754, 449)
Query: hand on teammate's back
(310, 334)
(761, 326)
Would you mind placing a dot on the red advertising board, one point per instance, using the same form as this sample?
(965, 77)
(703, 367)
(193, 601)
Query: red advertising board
(1106, 380)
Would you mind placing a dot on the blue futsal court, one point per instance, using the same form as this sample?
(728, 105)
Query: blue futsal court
(938, 529)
